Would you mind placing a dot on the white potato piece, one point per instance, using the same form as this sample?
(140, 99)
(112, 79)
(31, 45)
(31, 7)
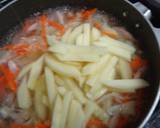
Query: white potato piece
(61, 68)
(65, 108)
(35, 72)
(75, 90)
(66, 35)
(125, 54)
(99, 93)
(87, 33)
(73, 35)
(93, 80)
(126, 85)
(79, 40)
(24, 71)
(45, 100)
(95, 34)
(40, 108)
(113, 42)
(93, 68)
(61, 90)
(57, 113)
(52, 39)
(23, 95)
(109, 67)
(78, 53)
(51, 85)
(125, 69)
(112, 75)
(73, 119)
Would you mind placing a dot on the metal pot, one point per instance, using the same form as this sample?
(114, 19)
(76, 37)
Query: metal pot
(135, 17)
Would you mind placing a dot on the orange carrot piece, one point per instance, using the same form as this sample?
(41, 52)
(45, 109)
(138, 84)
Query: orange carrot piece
(9, 77)
(40, 125)
(43, 23)
(95, 122)
(136, 63)
(98, 25)
(110, 34)
(122, 122)
(56, 26)
(14, 125)
(88, 13)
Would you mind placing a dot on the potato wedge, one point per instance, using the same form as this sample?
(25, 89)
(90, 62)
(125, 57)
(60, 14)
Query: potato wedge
(78, 53)
(66, 35)
(75, 90)
(73, 35)
(65, 108)
(24, 98)
(79, 40)
(61, 68)
(73, 119)
(51, 85)
(95, 34)
(125, 70)
(24, 71)
(35, 72)
(40, 108)
(107, 70)
(57, 113)
(93, 68)
(126, 85)
(87, 33)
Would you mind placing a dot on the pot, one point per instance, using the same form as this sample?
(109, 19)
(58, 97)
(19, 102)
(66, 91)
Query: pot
(135, 17)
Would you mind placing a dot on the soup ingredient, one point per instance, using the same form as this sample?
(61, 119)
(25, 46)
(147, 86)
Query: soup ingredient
(77, 71)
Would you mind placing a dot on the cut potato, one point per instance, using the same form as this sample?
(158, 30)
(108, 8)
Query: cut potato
(125, 70)
(126, 85)
(57, 113)
(93, 80)
(95, 34)
(52, 39)
(87, 33)
(112, 42)
(61, 90)
(40, 108)
(65, 109)
(51, 85)
(111, 65)
(112, 75)
(61, 68)
(93, 68)
(35, 72)
(24, 71)
(67, 52)
(79, 40)
(66, 35)
(73, 35)
(23, 95)
(75, 90)
(73, 121)
(45, 100)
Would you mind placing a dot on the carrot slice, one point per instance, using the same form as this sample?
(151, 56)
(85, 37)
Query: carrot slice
(40, 125)
(110, 34)
(44, 33)
(88, 13)
(137, 63)
(9, 77)
(95, 122)
(56, 26)
(122, 122)
(14, 125)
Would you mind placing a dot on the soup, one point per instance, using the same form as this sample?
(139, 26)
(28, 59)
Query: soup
(70, 68)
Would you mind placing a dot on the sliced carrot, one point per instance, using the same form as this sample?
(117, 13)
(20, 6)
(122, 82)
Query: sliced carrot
(110, 34)
(88, 13)
(14, 125)
(9, 77)
(98, 25)
(44, 33)
(40, 125)
(56, 26)
(2, 86)
(122, 122)
(137, 63)
(95, 122)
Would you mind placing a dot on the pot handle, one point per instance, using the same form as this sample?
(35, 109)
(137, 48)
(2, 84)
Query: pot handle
(147, 13)
(5, 3)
